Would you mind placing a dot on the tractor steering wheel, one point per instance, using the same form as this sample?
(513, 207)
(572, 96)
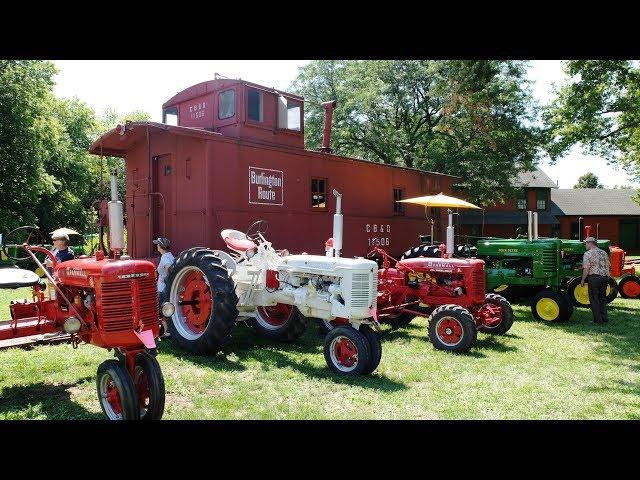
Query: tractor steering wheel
(259, 227)
(30, 235)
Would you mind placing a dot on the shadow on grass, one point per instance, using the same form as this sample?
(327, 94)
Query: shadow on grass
(54, 401)
(492, 342)
(246, 345)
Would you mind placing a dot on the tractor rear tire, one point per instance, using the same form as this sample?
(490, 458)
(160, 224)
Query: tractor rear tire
(205, 277)
(346, 351)
(629, 287)
(551, 306)
(506, 312)
(149, 384)
(428, 251)
(281, 322)
(116, 391)
(580, 295)
(452, 328)
(375, 348)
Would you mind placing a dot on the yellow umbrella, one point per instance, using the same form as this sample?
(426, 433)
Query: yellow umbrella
(440, 200)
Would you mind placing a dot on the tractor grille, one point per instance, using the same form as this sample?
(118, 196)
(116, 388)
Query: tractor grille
(549, 260)
(478, 284)
(362, 292)
(126, 303)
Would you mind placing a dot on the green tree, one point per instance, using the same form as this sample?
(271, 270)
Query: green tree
(473, 119)
(597, 107)
(28, 135)
(588, 180)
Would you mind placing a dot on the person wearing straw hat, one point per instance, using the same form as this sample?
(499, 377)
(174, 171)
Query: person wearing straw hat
(595, 271)
(61, 249)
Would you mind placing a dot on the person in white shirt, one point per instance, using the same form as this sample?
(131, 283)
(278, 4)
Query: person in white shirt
(166, 260)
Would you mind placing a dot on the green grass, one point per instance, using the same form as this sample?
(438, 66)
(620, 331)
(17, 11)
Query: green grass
(575, 370)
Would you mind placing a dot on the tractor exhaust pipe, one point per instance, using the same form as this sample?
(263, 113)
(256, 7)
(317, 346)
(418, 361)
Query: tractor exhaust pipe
(450, 232)
(337, 225)
(116, 217)
(328, 123)
(529, 225)
(535, 225)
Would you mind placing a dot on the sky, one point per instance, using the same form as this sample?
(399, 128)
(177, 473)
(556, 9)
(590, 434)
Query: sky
(128, 85)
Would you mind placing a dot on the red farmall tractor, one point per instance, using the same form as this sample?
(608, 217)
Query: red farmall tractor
(110, 302)
(450, 291)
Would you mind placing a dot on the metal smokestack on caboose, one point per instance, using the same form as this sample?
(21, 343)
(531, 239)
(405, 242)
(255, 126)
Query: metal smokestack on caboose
(116, 217)
(337, 225)
(328, 122)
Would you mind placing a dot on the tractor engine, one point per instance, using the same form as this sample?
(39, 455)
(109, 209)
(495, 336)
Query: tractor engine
(320, 287)
(117, 296)
(437, 280)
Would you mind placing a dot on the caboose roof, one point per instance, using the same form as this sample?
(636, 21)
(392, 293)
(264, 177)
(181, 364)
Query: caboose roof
(113, 144)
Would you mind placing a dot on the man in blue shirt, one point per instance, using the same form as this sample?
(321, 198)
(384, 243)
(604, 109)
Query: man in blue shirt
(61, 249)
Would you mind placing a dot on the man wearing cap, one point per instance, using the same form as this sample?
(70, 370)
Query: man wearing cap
(595, 270)
(166, 260)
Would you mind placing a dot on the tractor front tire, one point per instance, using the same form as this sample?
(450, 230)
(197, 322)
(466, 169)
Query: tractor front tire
(280, 322)
(116, 391)
(375, 348)
(629, 287)
(149, 384)
(551, 306)
(428, 251)
(204, 296)
(346, 351)
(612, 289)
(506, 314)
(452, 328)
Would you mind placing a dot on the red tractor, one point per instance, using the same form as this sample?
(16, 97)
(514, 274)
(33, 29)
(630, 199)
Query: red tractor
(110, 302)
(450, 291)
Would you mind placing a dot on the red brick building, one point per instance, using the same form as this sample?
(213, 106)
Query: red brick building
(562, 212)
(504, 220)
(612, 214)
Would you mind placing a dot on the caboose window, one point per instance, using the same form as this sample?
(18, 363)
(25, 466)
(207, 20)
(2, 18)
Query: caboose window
(170, 116)
(226, 104)
(318, 193)
(289, 112)
(398, 208)
(254, 105)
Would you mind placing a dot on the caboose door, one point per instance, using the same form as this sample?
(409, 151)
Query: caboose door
(163, 201)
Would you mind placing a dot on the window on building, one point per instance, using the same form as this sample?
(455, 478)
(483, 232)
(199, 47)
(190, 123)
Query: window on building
(398, 208)
(289, 113)
(254, 105)
(170, 116)
(521, 200)
(226, 104)
(318, 193)
(541, 199)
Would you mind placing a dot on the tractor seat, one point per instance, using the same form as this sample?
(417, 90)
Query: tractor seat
(237, 240)
(17, 278)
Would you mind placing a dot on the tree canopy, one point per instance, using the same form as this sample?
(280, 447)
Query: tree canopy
(598, 107)
(47, 176)
(588, 180)
(472, 119)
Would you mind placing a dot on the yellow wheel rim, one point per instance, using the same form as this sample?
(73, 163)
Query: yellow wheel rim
(39, 272)
(548, 309)
(501, 288)
(608, 290)
(581, 294)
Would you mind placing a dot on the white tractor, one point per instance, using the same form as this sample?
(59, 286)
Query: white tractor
(276, 293)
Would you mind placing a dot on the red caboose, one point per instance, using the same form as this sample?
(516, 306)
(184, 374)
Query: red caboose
(230, 152)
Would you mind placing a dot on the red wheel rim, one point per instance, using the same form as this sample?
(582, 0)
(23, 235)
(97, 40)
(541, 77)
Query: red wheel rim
(276, 315)
(142, 388)
(489, 315)
(449, 330)
(113, 396)
(196, 302)
(631, 289)
(345, 351)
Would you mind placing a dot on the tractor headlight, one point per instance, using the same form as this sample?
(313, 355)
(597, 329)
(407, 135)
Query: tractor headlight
(71, 325)
(168, 309)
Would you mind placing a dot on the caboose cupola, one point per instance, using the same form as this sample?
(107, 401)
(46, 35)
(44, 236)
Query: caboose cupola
(241, 109)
